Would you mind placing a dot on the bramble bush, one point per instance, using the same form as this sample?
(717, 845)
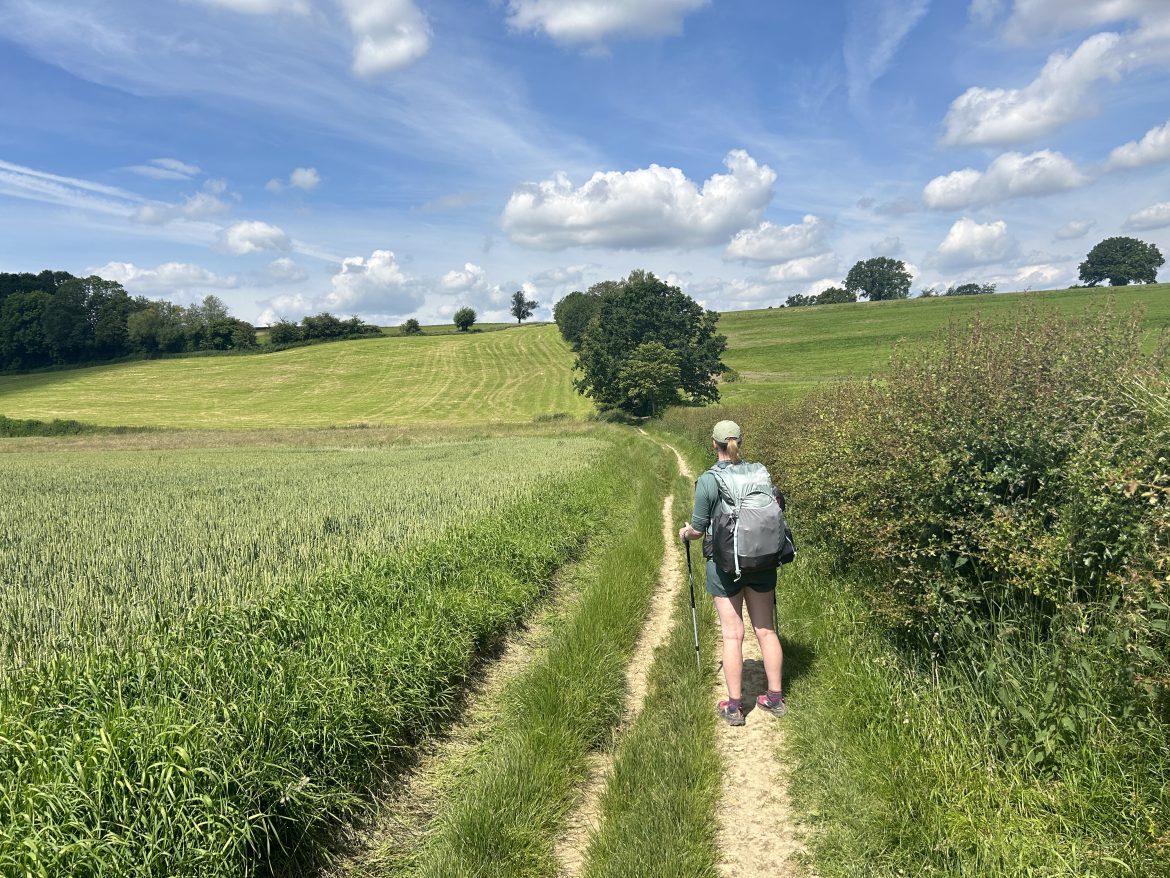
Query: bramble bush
(1005, 498)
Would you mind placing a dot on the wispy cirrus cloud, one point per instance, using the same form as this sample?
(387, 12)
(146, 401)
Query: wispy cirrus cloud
(165, 169)
(874, 35)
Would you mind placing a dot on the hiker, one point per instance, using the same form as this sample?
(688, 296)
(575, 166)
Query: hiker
(756, 587)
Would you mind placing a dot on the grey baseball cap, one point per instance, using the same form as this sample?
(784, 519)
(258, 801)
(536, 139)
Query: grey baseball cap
(725, 430)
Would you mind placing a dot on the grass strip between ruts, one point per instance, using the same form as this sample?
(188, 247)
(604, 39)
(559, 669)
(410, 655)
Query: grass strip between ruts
(503, 818)
(234, 743)
(658, 810)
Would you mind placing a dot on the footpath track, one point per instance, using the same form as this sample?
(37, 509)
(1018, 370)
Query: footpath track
(757, 830)
(585, 819)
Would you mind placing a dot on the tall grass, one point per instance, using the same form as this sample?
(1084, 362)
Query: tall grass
(658, 810)
(88, 557)
(233, 740)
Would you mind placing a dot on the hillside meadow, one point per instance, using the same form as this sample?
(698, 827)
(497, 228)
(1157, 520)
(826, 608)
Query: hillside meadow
(480, 378)
(786, 352)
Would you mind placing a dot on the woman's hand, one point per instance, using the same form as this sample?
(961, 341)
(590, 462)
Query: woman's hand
(689, 533)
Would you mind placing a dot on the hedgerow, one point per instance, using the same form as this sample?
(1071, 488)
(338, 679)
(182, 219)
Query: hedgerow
(1002, 501)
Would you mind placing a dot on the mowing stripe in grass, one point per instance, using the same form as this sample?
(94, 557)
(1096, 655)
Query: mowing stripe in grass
(232, 744)
(504, 817)
(658, 810)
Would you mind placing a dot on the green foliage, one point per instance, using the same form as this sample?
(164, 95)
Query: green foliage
(410, 327)
(464, 318)
(522, 307)
(879, 279)
(642, 310)
(284, 332)
(16, 427)
(1121, 261)
(649, 378)
(827, 296)
(573, 313)
(835, 296)
(970, 289)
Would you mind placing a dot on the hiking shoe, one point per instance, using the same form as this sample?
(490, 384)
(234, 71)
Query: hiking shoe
(732, 715)
(778, 709)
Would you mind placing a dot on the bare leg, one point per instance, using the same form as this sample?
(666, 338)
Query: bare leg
(759, 604)
(731, 622)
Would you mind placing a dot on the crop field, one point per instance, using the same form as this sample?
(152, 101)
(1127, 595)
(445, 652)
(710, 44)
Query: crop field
(479, 378)
(214, 651)
(87, 557)
(786, 352)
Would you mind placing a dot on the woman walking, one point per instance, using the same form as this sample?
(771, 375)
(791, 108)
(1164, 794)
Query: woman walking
(755, 588)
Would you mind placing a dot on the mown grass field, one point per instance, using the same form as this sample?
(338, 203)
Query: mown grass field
(478, 378)
(787, 352)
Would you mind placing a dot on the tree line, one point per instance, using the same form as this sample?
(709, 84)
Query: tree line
(56, 319)
(1119, 260)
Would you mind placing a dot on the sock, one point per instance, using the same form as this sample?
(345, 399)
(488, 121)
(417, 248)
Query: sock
(774, 697)
(734, 704)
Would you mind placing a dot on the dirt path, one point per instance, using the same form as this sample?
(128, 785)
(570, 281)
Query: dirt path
(757, 828)
(572, 844)
(414, 798)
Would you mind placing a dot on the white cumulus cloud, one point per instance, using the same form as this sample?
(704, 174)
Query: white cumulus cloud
(591, 21)
(1032, 19)
(770, 243)
(1156, 216)
(284, 270)
(1011, 175)
(373, 286)
(1060, 94)
(388, 34)
(201, 205)
(469, 277)
(804, 268)
(300, 178)
(1074, 229)
(972, 243)
(649, 207)
(170, 278)
(1154, 147)
(251, 236)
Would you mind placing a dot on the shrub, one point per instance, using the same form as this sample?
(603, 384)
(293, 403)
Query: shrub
(464, 318)
(410, 327)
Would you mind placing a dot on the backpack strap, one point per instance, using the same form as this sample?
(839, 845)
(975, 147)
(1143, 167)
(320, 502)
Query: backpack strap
(735, 503)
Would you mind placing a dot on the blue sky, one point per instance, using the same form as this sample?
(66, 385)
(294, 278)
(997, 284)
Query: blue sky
(396, 158)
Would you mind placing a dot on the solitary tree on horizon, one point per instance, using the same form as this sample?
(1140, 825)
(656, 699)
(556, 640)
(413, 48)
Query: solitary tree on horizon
(522, 307)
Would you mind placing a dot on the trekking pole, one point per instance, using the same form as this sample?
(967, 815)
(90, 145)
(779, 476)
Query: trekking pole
(694, 617)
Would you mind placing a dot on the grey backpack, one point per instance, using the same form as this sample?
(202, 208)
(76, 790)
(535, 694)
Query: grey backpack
(748, 531)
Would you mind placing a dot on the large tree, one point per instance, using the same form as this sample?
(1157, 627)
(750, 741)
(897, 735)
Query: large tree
(573, 313)
(1122, 261)
(879, 279)
(615, 359)
(522, 306)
